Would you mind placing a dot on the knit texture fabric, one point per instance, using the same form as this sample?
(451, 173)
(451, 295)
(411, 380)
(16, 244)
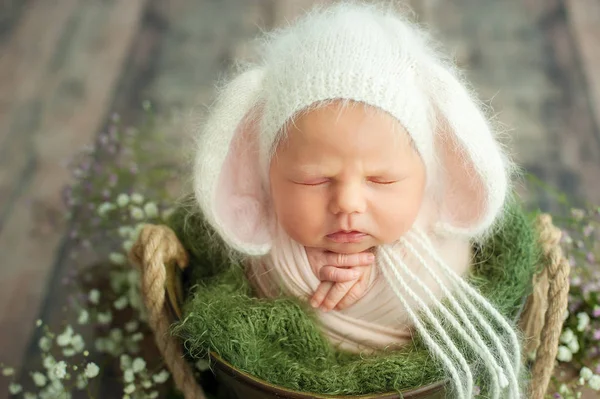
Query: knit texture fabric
(280, 341)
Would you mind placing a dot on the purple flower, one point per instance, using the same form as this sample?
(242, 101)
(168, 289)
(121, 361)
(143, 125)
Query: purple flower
(590, 257)
(588, 230)
(597, 334)
(557, 395)
(112, 180)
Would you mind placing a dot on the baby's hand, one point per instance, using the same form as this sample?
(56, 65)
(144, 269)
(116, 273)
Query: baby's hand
(344, 277)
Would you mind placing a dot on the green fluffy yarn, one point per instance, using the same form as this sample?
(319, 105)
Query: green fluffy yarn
(279, 340)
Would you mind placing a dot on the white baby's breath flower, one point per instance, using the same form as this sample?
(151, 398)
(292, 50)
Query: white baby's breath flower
(137, 198)
(59, 370)
(566, 315)
(595, 382)
(128, 376)
(15, 389)
(104, 208)
(583, 320)
(166, 214)
(120, 303)
(94, 296)
(564, 354)
(117, 258)
(138, 365)
(151, 210)
(81, 382)
(586, 373)
(123, 200)
(127, 245)
(48, 362)
(131, 326)
(91, 370)
(129, 389)
(125, 231)
(147, 384)
(574, 345)
(137, 337)
(64, 339)
(69, 352)
(39, 379)
(563, 389)
(202, 365)
(100, 344)
(567, 336)
(137, 213)
(161, 377)
(45, 344)
(116, 335)
(84, 317)
(8, 371)
(104, 317)
(29, 395)
(78, 343)
(125, 361)
(153, 395)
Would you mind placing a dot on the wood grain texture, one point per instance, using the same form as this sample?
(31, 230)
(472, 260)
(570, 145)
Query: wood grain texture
(583, 17)
(70, 94)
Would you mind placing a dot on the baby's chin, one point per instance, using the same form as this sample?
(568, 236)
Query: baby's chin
(350, 248)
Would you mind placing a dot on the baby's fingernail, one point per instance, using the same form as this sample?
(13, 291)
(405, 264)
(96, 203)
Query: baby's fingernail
(314, 303)
(371, 257)
(356, 274)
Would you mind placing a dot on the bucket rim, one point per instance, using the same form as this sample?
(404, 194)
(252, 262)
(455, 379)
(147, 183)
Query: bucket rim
(264, 386)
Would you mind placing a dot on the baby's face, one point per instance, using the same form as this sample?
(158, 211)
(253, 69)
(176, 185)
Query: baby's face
(346, 169)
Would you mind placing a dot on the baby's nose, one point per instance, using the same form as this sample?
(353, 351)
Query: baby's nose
(348, 199)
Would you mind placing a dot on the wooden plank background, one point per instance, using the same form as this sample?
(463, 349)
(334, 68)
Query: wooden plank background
(66, 65)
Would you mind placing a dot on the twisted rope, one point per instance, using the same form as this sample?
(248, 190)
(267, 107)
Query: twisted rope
(155, 247)
(158, 246)
(557, 270)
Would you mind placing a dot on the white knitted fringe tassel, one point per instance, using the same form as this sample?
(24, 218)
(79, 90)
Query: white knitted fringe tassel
(464, 390)
(499, 347)
(494, 362)
(459, 282)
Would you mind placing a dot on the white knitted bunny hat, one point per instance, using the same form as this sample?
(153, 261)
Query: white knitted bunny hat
(358, 52)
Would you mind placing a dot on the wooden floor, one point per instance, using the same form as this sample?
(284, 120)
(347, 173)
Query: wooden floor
(67, 65)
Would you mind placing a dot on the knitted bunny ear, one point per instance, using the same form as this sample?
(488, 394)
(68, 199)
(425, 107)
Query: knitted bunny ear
(227, 179)
(473, 177)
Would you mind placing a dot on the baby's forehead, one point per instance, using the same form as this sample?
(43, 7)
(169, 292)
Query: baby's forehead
(350, 121)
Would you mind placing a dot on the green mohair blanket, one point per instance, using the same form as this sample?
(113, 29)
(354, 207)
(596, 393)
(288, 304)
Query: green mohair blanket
(279, 340)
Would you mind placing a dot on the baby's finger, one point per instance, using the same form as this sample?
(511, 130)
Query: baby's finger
(320, 294)
(335, 294)
(339, 274)
(353, 295)
(357, 259)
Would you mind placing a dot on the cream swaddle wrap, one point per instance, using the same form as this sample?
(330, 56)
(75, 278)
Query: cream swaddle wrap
(371, 55)
(378, 320)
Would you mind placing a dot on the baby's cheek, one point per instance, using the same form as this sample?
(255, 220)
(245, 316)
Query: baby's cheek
(395, 222)
(302, 219)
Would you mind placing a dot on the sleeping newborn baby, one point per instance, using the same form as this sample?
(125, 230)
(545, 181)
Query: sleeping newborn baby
(353, 169)
(345, 180)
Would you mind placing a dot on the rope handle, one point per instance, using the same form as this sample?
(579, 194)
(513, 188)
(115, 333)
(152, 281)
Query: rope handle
(554, 286)
(158, 251)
